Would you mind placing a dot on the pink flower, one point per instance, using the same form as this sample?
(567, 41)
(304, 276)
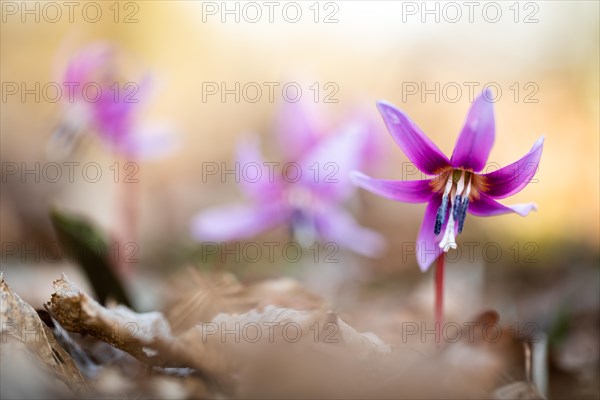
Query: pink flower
(458, 185)
(310, 197)
(100, 101)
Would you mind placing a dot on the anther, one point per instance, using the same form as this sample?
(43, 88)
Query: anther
(440, 217)
(456, 210)
(463, 214)
(464, 207)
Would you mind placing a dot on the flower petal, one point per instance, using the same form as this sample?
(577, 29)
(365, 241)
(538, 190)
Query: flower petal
(340, 228)
(514, 177)
(373, 152)
(257, 181)
(296, 128)
(428, 249)
(476, 139)
(115, 118)
(85, 66)
(413, 142)
(237, 222)
(327, 166)
(417, 191)
(485, 206)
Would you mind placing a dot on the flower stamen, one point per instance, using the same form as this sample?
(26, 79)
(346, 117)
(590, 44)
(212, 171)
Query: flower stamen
(464, 206)
(440, 217)
(456, 210)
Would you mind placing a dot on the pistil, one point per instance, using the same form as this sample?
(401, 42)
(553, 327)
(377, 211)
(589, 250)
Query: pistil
(449, 241)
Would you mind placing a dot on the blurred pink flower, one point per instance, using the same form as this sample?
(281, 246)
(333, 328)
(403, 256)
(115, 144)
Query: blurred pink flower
(457, 185)
(309, 196)
(97, 99)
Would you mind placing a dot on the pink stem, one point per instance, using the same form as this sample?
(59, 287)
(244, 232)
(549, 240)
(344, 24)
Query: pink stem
(132, 201)
(439, 297)
(128, 210)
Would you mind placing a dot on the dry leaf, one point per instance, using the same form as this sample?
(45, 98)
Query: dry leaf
(146, 336)
(282, 352)
(199, 298)
(21, 324)
(285, 292)
(517, 390)
(140, 334)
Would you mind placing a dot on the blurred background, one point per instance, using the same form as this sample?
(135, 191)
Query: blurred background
(540, 58)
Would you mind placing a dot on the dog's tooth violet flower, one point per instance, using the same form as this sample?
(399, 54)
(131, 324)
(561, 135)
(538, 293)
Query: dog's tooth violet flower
(101, 101)
(306, 193)
(457, 186)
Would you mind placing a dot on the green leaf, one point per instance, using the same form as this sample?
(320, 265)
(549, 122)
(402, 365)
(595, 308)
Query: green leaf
(86, 244)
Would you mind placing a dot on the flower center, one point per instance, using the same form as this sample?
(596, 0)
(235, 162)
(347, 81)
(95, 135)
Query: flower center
(300, 197)
(460, 187)
(303, 203)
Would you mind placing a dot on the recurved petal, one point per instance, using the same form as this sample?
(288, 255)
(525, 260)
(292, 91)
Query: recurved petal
(237, 221)
(326, 167)
(296, 128)
(373, 151)
(485, 206)
(476, 139)
(257, 180)
(85, 65)
(341, 229)
(428, 249)
(417, 191)
(514, 177)
(413, 142)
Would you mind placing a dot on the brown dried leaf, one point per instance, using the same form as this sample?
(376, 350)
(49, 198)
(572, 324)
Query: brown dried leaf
(21, 322)
(517, 390)
(283, 352)
(141, 335)
(146, 336)
(206, 346)
(285, 292)
(316, 326)
(332, 360)
(199, 298)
